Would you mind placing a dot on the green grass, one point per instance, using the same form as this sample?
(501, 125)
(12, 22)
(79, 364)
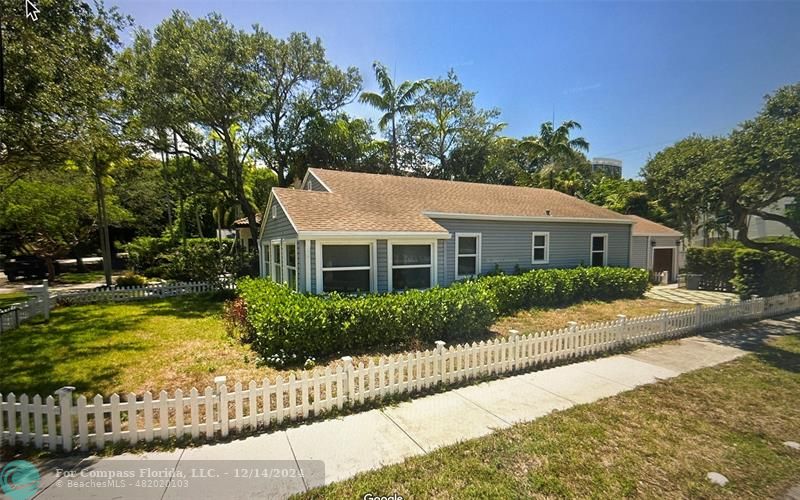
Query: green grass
(6, 299)
(657, 441)
(132, 347)
(80, 278)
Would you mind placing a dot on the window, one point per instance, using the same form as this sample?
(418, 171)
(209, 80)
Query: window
(265, 251)
(541, 248)
(274, 212)
(410, 266)
(346, 268)
(599, 249)
(468, 254)
(291, 264)
(276, 263)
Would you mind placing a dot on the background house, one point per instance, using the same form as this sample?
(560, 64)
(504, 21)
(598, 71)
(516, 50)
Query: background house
(656, 247)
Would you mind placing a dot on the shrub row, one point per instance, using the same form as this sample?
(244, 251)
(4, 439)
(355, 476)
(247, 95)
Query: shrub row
(195, 259)
(285, 327)
(765, 273)
(751, 272)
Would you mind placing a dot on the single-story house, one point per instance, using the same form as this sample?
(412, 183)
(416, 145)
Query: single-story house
(242, 228)
(655, 247)
(349, 231)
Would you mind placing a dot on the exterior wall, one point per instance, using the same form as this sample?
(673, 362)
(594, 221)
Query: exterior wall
(313, 247)
(279, 227)
(639, 251)
(381, 258)
(508, 244)
(313, 184)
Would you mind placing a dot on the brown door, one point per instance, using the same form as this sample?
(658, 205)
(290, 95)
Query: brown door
(662, 260)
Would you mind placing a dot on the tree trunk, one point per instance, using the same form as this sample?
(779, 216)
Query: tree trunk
(105, 244)
(395, 166)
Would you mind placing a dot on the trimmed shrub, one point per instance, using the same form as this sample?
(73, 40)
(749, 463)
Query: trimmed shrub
(716, 264)
(131, 279)
(288, 327)
(766, 273)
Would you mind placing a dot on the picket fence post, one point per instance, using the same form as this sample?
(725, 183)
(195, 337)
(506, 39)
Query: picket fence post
(65, 409)
(513, 336)
(439, 360)
(222, 403)
(621, 337)
(698, 315)
(663, 320)
(349, 378)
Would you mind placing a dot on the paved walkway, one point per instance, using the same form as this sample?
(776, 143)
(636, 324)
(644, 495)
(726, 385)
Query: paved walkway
(683, 296)
(356, 443)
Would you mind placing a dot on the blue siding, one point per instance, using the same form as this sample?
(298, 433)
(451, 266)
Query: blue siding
(313, 249)
(508, 244)
(382, 270)
(279, 227)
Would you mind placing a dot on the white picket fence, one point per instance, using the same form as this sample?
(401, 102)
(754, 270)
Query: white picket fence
(41, 301)
(130, 293)
(67, 423)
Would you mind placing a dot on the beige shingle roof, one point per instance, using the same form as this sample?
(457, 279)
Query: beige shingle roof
(373, 203)
(646, 227)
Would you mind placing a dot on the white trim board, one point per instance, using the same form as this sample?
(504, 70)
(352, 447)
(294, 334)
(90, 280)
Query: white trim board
(524, 218)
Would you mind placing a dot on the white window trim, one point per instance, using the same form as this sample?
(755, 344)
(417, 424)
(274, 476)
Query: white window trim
(433, 265)
(285, 262)
(546, 235)
(477, 255)
(373, 278)
(264, 260)
(272, 262)
(605, 248)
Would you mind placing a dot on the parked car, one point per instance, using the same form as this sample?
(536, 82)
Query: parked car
(25, 266)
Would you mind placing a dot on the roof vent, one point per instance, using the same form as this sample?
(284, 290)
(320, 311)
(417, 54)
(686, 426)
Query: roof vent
(547, 212)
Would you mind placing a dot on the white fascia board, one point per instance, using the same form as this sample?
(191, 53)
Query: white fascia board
(308, 235)
(524, 218)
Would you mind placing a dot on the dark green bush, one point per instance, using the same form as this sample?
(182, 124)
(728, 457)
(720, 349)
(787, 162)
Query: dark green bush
(716, 264)
(766, 273)
(286, 327)
(196, 259)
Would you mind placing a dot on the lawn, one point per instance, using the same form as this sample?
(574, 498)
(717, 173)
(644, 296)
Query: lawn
(71, 278)
(182, 343)
(658, 441)
(6, 299)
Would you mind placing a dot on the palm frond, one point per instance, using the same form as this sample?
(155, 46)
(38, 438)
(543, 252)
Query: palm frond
(374, 99)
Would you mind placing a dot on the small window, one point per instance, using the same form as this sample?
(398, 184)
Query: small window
(599, 249)
(541, 248)
(291, 265)
(411, 266)
(277, 275)
(468, 255)
(274, 212)
(265, 251)
(346, 268)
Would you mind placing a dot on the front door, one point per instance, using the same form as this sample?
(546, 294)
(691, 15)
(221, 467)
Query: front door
(662, 260)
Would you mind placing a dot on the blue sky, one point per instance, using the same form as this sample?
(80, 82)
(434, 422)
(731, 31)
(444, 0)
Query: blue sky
(636, 75)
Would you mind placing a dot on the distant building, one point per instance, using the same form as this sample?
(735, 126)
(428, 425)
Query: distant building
(608, 166)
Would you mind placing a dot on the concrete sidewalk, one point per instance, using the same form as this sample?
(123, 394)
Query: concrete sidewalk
(368, 440)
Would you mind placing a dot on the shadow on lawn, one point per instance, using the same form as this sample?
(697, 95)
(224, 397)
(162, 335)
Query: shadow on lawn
(762, 338)
(187, 306)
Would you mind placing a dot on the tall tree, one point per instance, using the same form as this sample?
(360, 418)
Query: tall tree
(192, 92)
(554, 147)
(55, 68)
(394, 101)
(295, 84)
(446, 118)
(760, 165)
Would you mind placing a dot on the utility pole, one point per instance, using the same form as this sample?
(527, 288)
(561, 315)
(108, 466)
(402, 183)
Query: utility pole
(2, 67)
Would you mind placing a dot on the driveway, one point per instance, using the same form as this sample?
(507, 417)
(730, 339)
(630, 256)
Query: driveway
(672, 293)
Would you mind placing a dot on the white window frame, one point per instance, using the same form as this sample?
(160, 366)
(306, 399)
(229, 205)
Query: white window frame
(373, 278)
(546, 259)
(605, 248)
(285, 262)
(433, 244)
(273, 264)
(477, 254)
(265, 258)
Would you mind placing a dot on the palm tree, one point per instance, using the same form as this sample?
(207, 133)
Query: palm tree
(553, 147)
(393, 101)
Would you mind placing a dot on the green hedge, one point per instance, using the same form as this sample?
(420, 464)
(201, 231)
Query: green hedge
(716, 264)
(766, 273)
(195, 259)
(288, 327)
